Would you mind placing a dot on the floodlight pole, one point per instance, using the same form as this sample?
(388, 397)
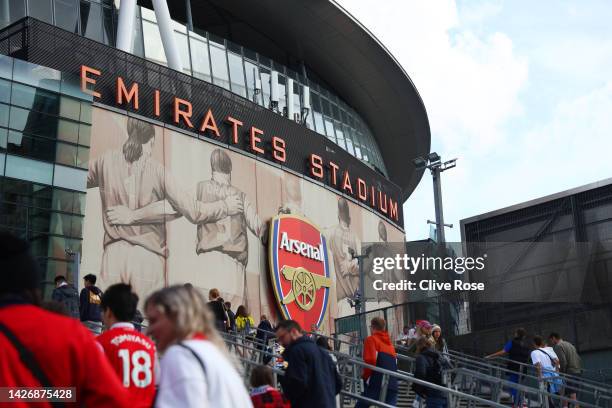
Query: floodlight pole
(434, 163)
(437, 187)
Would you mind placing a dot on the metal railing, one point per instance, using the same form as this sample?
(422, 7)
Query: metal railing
(251, 352)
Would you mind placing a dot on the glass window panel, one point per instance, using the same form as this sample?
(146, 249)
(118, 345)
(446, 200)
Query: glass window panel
(2, 160)
(41, 9)
(5, 91)
(79, 203)
(6, 67)
(4, 115)
(86, 112)
(358, 152)
(319, 125)
(265, 61)
(329, 129)
(61, 224)
(265, 85)
(83, 157)
(154, 50)
(39, 100)
(199, 56)
(236, 73)
(282, 93)
(91, 20)
(33, 122)
(310, 116)
(66, 154)
(108, 31)
(68, 131)
(296, 98)
(252, 72)
(70, 108)
(84, 135)
(28, 169)
(325, 105)
(58, 245)
(67, 15)
(249, 54)
(335, 111)
(70, 178)
(3, 138)
(183, 49)
(349, 142)
(235, 48)
(39, 220)
(63, 200)
(35, 75)
(11, 11)
(216, 40)
(340, 135)
(219, 65)
(30, 146)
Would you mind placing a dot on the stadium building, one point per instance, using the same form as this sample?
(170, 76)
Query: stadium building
(157, 142)
(557, 273)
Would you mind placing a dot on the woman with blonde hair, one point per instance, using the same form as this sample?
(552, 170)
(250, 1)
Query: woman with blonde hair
(196, 369)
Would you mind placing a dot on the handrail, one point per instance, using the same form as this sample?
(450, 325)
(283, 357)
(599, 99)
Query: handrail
(603, 387)
(344, 359)
(519, 387)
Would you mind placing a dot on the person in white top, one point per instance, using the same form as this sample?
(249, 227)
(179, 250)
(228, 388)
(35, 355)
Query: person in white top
(408, 336)
(546, 362)
(196, 369)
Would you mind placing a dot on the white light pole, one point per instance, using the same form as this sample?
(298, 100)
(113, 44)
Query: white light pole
(433, 162)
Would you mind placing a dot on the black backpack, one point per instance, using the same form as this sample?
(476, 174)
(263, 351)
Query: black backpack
(437, 363)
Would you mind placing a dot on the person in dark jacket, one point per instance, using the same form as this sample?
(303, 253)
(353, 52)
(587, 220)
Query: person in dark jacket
(378, 351)
(67, 295)
(218, 310)
(231, 316)
(264, 332)
(311, 379)
(90, 309)
(517, 351)
(428, 369)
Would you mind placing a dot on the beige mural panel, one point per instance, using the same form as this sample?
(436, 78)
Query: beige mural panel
(154, 217)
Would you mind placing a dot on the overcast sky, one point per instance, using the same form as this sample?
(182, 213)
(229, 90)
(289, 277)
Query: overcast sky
(519, 91)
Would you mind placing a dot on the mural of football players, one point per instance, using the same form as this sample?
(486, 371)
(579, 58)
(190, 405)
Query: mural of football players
(228, 235)
(343, 243)
(133, 187)
(291, 195)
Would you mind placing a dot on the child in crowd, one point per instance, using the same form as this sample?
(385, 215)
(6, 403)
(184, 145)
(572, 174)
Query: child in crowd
(263, 395)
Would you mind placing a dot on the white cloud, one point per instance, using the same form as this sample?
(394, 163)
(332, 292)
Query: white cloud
(470, 83)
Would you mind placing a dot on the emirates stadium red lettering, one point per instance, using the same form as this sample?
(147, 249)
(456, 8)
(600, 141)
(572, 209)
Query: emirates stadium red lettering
(205, 122)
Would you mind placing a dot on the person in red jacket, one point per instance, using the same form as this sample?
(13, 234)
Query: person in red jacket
(132, 354)
(44, 349)
(378, 351)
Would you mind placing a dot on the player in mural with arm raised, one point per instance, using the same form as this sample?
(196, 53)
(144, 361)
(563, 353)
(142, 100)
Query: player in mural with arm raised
(134, 234)
(228, 235)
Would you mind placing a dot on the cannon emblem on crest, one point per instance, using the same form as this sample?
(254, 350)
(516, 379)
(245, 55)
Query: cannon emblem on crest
(304, 286)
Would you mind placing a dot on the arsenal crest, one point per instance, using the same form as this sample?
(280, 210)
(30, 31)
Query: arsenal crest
(299, 270)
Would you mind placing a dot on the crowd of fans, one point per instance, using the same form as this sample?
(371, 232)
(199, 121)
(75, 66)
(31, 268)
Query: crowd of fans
(183, 360)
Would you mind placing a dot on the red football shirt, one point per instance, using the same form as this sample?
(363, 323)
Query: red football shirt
(66, 352)
(132, 355)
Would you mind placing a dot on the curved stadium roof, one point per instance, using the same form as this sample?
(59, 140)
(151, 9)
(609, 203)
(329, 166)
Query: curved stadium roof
(344, 54)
